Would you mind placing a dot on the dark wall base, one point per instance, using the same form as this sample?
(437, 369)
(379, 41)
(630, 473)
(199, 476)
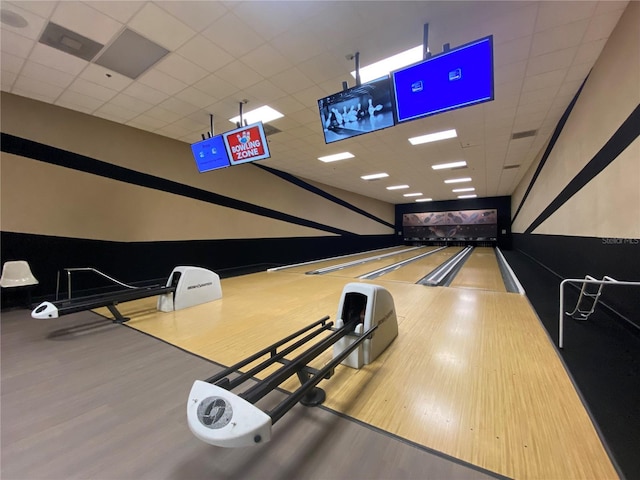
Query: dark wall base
(575, 257)
(146, 261)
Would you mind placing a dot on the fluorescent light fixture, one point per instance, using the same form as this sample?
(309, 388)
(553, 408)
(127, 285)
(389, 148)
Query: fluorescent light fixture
(374, 176)
(460, 190)
(398, 187)
(424, 199)
(458, 180)
(412, 195)
(386, 65)
(433, 137)
(336, 157)
(263, 114)
(441, 166)
(467, 196)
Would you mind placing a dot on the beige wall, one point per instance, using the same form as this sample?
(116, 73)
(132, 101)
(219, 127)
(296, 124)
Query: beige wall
(609, 205)
(45, 199)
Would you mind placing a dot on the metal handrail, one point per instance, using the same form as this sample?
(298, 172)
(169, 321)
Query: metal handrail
(86, 269)
(606, 280)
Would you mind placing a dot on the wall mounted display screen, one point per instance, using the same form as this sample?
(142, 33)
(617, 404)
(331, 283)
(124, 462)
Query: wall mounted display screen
(458, 224)
(210, 154)
(458, 78)
(357, 110)
(246, 144)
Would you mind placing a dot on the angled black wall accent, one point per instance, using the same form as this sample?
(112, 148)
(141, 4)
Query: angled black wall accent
(302, 184)
(56, 156)
(547, 152)
(627, 133)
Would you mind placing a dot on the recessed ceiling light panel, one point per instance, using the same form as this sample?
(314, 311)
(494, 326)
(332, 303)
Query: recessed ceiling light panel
(336, 157)
(433, 137)
(262, 114)
(374, 176)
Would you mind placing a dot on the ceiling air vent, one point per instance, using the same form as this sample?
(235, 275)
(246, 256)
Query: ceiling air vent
(131, 54)
(270, 129)
(509, 167)
(70, 42)
(528, 133)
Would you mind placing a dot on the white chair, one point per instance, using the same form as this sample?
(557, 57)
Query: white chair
(17, 274)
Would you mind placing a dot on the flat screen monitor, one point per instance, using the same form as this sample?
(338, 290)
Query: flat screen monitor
(210, 154)
(357, 110)
(454, 79)
(246, 144)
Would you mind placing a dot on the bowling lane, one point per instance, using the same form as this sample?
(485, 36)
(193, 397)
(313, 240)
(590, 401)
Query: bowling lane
(357, 270)
(480, 271)
(348, 258)
(414, 271)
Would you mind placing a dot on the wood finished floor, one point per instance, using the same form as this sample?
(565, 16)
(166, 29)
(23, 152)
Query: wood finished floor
(472, 373)
(84, 398)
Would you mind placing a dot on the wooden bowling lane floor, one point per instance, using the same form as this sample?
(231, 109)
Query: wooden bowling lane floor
(307, 267)
(472, 373)
(480, 271)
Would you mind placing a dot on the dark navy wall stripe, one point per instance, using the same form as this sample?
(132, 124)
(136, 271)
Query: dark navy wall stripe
(547, 152)
(627, 133)
(302, 184)
(56, 156)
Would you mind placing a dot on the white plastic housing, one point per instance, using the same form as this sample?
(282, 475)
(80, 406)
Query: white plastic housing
(219, 417)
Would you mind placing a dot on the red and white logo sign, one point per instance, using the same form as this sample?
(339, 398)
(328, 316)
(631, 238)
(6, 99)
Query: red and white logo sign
(246, 144)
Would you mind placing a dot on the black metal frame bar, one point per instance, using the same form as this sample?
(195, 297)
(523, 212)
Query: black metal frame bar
(316, 378)
(272, 349)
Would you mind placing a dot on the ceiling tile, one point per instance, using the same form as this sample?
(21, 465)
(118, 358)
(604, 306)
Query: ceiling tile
(551, 61)
(239, 74)
(553, 14)
(145, 93)
(196, 97)
(178, 106)
(41, 8)
(205, 54)
(181, 68)
(589, 52)
(197, 15)
(86, 21)
(39, 89)
(513, 51)
(216, 87)
(83, 101)
(224, 33)
(102, 76)
(115, 113)
(160, 27)
(85, 87)
(131, 103)
(553, 78)
(146, 122)
(35, 23)
(15, 44)
(266, 60)
(558, 38)
(292, 80)
(120, 11)
(54, 77)
(161, 81)
(56, 59)
(11, 63)
(7, 80)
(266, 92)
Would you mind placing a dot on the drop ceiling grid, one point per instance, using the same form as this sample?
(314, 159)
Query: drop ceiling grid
(289, 54)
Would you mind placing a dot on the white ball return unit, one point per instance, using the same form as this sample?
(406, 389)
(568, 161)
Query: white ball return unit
(185, 287)
(220, 417)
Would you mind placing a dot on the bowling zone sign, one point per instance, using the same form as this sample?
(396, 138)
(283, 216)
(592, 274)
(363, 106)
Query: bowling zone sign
(246, 144)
